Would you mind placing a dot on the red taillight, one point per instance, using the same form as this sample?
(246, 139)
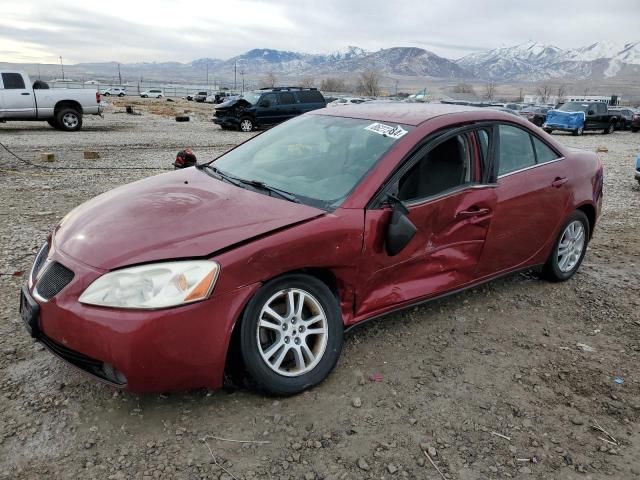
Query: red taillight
(97, 97)
(634, 117)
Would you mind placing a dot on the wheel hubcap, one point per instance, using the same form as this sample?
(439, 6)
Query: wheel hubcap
(571, 246)
(70, 120)
(245, 125)
(292, 332)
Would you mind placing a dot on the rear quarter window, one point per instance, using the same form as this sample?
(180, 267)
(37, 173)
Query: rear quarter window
(310, 96)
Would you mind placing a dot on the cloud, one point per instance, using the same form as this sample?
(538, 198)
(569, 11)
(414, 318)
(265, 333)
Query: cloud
(90, 30)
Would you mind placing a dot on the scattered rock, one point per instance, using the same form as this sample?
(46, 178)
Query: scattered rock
(356, 402)
(363, 465)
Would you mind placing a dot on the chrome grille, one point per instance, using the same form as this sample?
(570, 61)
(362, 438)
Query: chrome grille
(54, 279)
(41, 257)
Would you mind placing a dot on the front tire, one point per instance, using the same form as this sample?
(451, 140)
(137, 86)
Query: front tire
(291, 334)
(569, 248)
(69, 120)
(578, 132)
(107, 94)
(609, 129)
(246, 125)
(548, 130)
(52, 123)
(121, 94)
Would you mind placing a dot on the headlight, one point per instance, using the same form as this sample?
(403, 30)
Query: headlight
(158, 285)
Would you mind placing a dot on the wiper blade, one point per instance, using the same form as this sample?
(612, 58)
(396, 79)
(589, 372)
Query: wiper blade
(281, 193)
(254, 183)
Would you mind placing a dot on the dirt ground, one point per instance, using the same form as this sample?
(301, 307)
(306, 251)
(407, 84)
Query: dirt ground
(490, 382)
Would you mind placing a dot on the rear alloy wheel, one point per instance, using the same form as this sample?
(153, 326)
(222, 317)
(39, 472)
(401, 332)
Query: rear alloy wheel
(578, 131)
(609, 129)
(291, 334)
(69, 120)
(246, 125)
(569, 249)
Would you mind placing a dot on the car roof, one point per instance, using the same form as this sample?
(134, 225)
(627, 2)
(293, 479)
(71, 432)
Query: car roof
(406, 113)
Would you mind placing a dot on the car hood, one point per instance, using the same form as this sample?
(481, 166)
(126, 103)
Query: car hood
(186, 213)
(236, 102)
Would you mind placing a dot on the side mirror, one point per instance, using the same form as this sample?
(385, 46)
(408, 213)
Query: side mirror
(400, 230)
(590, 112)
(265, 103)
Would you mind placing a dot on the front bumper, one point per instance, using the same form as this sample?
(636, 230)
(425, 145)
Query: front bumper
(153, 351)
(231, 122)
(562, 128)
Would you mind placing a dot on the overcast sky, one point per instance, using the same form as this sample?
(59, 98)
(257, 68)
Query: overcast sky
(164, 30)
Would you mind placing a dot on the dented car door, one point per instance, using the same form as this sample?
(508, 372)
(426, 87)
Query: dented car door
(452, 223)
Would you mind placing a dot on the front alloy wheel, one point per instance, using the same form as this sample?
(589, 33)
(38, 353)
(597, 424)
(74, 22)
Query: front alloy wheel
(291, 334)
(246, 125)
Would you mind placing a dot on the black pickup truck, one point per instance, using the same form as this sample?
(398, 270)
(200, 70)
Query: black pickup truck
(596, 116)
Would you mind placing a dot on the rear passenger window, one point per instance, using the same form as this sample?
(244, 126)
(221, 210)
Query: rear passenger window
(516, 150)
(310, 96)
(12, 81)
(287, 98)
(543, 153)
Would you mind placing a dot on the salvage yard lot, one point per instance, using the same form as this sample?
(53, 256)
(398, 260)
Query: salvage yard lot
(492, 381)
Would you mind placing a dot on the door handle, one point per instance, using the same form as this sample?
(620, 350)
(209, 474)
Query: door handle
(559, 181)
(25, 93)
(479, 212)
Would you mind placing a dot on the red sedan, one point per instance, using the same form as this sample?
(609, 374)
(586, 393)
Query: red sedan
(262, 258)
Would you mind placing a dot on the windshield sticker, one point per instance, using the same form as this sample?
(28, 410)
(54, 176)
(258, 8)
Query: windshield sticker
(387, 130)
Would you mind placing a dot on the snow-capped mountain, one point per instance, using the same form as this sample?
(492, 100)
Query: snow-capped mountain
(526, 62)
(536, 61)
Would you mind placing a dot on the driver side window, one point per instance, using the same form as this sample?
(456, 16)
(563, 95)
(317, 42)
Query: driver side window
(443, 168)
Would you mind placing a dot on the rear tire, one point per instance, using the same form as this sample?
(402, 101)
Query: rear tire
(121, 94)
(69, 120)
(569, 248)
(635, 130)
(107, 94)
(53, 123)
(279, 350)
(548, 130)
(609, 129)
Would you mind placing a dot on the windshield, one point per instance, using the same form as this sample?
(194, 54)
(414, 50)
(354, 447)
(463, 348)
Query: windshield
(574, 107)
(318, 158)
(251, 97)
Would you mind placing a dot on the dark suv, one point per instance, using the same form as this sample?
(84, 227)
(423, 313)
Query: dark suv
(267, 107)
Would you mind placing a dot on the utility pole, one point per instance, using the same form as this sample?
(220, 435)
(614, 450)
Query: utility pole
(242, 73)
(119, 75)
(62, 66)
(38, 71)
(235, 75)
(397, 87)
(207, 74)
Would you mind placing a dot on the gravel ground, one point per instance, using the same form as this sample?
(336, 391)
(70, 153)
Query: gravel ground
(490, 382)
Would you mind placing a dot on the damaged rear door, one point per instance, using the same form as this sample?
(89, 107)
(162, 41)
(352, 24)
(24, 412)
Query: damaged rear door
(445, 187)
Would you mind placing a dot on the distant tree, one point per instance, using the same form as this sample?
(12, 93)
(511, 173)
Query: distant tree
(308, 82)
(586, 91)
(562, 91)
(463, 88)
(544, 92)
(333, 84)
(369, 83)
(269, 80)
(490, 91)
(520, 95)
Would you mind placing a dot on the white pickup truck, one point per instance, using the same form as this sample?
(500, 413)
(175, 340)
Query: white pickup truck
(62, 108)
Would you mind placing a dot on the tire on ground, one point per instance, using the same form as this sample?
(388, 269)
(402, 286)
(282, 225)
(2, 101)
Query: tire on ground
(65, 119)
(551, 270)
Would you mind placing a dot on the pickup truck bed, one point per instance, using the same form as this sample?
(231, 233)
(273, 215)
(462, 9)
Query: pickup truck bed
(62, 108)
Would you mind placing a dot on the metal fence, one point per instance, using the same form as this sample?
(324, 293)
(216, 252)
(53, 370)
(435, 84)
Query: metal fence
(169, 90)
